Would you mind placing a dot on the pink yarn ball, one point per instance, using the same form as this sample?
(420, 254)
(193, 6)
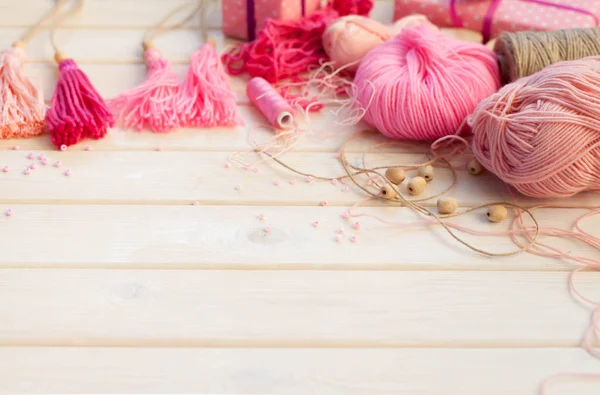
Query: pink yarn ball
(422, 84)
(349, 38)
(541, 134)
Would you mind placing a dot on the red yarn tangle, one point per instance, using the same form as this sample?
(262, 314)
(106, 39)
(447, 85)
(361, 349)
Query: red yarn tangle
(284, 49)
(350, 7)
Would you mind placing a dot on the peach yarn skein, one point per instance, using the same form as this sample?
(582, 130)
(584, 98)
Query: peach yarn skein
(348, 39)
(541, 134)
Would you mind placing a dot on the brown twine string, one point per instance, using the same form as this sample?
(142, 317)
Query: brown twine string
(36, 26)
(77, 6)
(162, 27)
(525, 53)
(352, 171)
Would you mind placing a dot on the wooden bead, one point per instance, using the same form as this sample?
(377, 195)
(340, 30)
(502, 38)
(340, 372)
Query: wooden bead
(475, 167)
(426, 172)
(388, 192)
(395, 175)
(496, 213)
(447, 205)
(416, 185)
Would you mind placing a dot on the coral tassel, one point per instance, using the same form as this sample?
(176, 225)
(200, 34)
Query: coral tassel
(22, 105)
(205, 98)
(77, 110)
(152, 103)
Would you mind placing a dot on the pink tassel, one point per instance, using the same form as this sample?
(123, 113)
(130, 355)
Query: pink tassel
(77, 110)
(205, 98)
(22, 105)
(153, 102)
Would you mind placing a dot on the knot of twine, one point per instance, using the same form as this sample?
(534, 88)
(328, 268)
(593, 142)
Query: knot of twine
(525, 53)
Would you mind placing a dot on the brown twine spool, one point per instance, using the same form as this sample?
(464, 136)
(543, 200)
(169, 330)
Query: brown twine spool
(525, 53)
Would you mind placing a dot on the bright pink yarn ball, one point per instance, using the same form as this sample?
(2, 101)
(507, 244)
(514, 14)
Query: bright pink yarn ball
(541, 134)
(422, 84)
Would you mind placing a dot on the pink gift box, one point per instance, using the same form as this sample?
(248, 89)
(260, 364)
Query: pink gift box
(492, 17)
(240, 16)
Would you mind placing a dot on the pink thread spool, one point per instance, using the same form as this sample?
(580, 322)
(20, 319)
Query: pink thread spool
(270, 103)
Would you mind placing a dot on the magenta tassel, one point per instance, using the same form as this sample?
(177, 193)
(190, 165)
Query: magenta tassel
(77, 110)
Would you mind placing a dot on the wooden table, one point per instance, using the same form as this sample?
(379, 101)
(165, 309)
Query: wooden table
(112, 281)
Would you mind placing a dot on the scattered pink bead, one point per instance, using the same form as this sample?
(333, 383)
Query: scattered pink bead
(343, 180)
(334, 181)
(227, 165)
(316, 224)
(268, 229)
(353, 239)
(42, 157)
(16, 148)
(340, 231)
(31, 156)
(346, 215)
(293, 182)
(238, 187)
(345, 188)
(277, 183)
(261, 217)
(27, 171)
(57, 163)
(356, 226)
(33, 166)
(159, 149)
(324, 203)
(338, 238)
(369, 182)
(247, 168)
(337, 155)
(5, 169)
(196, 203)
(88, 147)
(43, 162)
(63, 147)
(68, 173)
(255, 170)
(309, 179)
(8, 212)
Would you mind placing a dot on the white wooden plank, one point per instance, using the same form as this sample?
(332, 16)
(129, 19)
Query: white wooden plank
(291, 308)
(175, 237)
(293, 371)
(107, 14)
(183, 177)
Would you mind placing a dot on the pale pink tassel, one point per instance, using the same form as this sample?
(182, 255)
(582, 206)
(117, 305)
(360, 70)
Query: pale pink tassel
(151, 104)
(205, 98)
(23, 108)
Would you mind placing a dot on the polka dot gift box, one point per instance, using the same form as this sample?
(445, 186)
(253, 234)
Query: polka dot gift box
(242, 19)
(492, 17)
